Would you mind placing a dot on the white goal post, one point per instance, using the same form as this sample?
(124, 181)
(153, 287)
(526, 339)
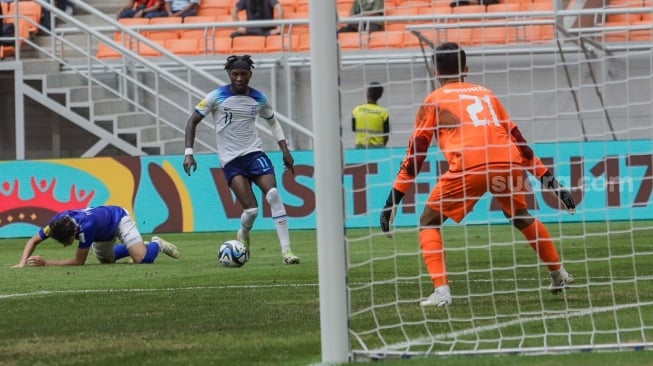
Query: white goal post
(585, 104)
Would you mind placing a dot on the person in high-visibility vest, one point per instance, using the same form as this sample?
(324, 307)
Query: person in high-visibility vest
(370, 121)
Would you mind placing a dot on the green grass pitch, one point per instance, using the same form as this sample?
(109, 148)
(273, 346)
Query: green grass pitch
(195, 312)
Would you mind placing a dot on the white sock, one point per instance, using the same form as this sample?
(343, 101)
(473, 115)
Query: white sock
(279, 217)
(247, 220)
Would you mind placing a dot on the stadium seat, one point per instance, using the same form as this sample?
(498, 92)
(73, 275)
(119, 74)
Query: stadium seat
(287, 6)
(297, 28)
(27, 9)
(476, 10)
(147, 51)
(387, 39)
(462, 36)
(642, 35)
(22, 32)
(489, 34)
(104, 52)
(275, 43)
(502, 8)
(223, 31)
(164, 34)
(197, 33)
(524, 33)
(188, 46)
(214, 7)
(301, 6)
(248, 44)
(352, 40)
(220, 45)
(132, 22)
(436, 36)
(304, 43)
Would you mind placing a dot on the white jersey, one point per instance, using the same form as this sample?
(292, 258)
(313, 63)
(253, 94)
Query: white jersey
(234, 116)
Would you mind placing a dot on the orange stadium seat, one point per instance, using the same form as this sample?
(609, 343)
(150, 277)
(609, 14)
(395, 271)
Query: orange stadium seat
(642, 35)
(435, 36)
(351, 41)
(280, 43)
(462, 36)
(387, 39)
(28, 9)
(304, 43)
(287, 6)
(297, 28)
(104, 51)
(301, 6)
(220, 45)
(147, 51)
(164, 34)
(477, 10)
(502, 8)
(489, 34)
(197, 33)
(130, 22)
(187, 46)
(214, 7)
(248, 44)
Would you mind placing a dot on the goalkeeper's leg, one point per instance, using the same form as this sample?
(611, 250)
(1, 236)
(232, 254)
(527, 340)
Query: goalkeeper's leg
(540, 240)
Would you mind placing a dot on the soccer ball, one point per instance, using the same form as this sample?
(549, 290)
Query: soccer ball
(233, 253)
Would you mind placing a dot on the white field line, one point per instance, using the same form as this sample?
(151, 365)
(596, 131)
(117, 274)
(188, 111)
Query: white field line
(200, 288)
(289, 285)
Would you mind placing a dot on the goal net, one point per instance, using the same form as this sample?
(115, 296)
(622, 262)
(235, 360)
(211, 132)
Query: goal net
(584, 103)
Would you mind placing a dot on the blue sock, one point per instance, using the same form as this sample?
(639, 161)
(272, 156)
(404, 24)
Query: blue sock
(152, 252)
(120, 251)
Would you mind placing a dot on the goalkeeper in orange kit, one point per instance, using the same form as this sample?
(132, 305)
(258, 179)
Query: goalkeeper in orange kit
(486, 153)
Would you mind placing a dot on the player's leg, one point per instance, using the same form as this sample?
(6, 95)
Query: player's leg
(513, 202)
(238, 175)
(452, 197)
(104, 252)
(242, 188)
(267, 183)
(133, 243)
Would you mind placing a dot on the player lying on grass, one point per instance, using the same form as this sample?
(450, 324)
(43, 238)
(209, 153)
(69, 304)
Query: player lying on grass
(476, 136)
(96, 228)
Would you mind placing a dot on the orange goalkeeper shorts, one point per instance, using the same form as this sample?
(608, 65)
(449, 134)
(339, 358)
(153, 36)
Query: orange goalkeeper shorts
(455, 194)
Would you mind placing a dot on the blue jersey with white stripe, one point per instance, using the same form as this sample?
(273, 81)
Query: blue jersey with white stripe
(96, 224)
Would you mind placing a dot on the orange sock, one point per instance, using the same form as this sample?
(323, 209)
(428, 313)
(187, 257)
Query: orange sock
(430, 241)
(540, 240)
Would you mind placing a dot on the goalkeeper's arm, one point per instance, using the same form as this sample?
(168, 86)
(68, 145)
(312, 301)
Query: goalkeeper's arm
(411, 166)
(535, 166)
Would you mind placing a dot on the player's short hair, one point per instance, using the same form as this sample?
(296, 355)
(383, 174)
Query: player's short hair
(239, 62)
(450, 59)
(62, 229)
(375, 91)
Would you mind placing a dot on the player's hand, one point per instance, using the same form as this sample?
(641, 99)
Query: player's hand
(289, 161)
(387, 219)
(19, 265)
(563, 194)
(189, 162)
(35, 261)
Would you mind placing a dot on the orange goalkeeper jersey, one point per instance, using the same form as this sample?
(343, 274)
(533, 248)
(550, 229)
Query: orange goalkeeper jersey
(471, 126)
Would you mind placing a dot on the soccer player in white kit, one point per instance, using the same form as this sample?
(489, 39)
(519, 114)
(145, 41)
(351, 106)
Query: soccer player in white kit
(234, 108)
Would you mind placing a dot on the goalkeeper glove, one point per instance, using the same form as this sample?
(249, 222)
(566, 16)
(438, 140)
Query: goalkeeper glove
(563, 194)
(389, 211)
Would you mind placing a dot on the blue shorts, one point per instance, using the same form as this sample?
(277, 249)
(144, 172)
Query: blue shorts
(250, 166)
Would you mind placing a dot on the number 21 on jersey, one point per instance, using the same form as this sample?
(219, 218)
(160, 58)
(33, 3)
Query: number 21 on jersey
(480, 109)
